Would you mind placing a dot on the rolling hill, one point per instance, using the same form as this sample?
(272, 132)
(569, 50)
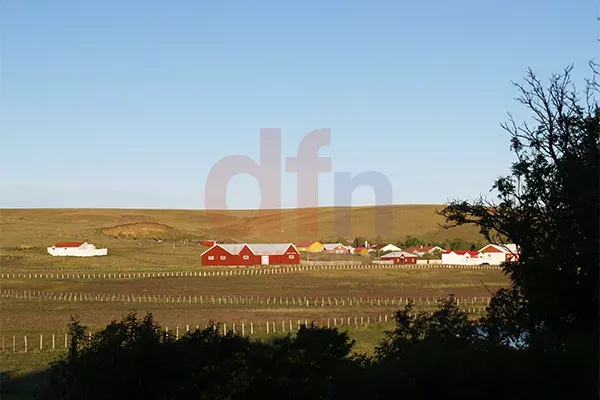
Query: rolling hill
(42, 227)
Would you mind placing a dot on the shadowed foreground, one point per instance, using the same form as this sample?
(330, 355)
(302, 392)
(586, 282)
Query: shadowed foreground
(439, 355)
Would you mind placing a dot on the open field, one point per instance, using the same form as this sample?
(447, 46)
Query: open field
(153, 240)
(151, 243)
(290, 292)
(39, 228)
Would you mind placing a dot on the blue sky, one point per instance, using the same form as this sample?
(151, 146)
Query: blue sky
(130, 103)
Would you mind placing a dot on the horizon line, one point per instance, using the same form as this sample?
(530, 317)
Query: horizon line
(215, 209)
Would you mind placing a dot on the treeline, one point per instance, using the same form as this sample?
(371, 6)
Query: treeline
(443, 355)
(410, 241)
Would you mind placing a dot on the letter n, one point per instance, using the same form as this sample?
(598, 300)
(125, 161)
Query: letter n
(344, 186)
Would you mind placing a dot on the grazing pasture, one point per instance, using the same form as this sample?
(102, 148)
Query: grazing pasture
(151, 243)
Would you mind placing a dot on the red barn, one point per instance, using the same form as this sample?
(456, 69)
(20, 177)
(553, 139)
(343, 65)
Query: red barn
(401, 257)
(250, 254)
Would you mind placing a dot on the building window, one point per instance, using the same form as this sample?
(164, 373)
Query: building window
(223, 257)
(246, 257)
(211, 257)
(291, 256)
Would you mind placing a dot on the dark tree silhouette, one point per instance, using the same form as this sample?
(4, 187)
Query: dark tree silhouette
(549, 207)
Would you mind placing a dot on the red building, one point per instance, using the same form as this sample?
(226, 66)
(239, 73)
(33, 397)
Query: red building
(400, 257)
(250, 254)
(209, 243)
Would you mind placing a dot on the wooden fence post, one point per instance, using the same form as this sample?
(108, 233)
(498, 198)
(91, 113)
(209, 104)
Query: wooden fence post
(41, 340)
(53, 342)
(25, 343)
(251, 328)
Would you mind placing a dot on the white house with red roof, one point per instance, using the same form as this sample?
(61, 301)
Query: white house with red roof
(495, 254)
(462, 257)
(76, 249)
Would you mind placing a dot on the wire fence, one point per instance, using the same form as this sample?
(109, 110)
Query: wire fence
(286, 301)
(61, 341)
(247, 271)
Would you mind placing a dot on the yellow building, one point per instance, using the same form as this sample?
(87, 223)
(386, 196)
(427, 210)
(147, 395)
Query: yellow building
(310, 246)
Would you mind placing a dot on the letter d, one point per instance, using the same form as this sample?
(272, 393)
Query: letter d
(267, 174)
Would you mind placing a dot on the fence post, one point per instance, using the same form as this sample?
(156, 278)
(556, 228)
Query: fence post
(14, 343)
(25, 343)
(53, 342)
(251, 329)
(66, 334)
(41, 340)
(242, 329)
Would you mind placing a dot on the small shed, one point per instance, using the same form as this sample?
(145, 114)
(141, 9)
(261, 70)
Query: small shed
(310, 246)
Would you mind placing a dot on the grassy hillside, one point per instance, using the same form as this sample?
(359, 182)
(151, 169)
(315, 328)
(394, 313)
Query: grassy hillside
(43, 227)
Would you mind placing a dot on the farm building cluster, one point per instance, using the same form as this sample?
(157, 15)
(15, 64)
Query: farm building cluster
(246, 254)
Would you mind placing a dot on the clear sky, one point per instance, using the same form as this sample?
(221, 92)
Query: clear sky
(130, 103)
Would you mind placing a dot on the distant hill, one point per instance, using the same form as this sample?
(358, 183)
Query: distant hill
(41, 227)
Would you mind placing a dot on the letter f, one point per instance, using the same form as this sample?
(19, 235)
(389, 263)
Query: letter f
(307, 165)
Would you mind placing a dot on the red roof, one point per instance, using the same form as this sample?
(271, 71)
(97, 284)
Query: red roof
(306, 243)
(68, 244)
(471, 253)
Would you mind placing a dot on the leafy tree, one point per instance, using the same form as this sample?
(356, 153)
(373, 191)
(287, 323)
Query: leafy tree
(411, 241)
(549, 207)
(358, 241)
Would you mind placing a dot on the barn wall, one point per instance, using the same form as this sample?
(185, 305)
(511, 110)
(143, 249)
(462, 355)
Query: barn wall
(238, 259)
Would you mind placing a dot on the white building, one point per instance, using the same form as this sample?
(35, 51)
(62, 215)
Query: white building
(462, 257)
(350, 249)
(494, 254)
(385, 247)
(422, 250)
(335, 248)
(76, 249)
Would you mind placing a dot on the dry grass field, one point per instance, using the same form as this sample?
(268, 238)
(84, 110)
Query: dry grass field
(39, 227)
(168, 240)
